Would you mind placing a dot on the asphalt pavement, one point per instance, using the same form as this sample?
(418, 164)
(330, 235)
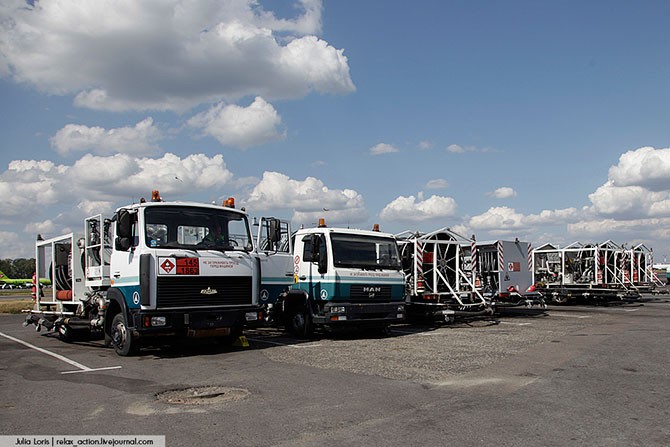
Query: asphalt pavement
(574, 375)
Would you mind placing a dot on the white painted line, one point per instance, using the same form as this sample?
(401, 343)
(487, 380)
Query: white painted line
(82, 368)
(631, 310)
(570, 316)
(91, 369)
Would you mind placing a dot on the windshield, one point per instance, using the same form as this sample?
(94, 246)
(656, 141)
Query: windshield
(366, 252)
(196, 228)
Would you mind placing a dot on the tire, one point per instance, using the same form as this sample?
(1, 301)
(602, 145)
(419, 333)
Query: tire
(299, 323)
(122, 338)
(66, 334)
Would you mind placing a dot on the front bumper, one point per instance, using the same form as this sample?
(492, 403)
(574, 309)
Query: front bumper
(194, 323)
(345, 313)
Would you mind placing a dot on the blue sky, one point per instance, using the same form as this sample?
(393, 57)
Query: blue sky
(546, 121)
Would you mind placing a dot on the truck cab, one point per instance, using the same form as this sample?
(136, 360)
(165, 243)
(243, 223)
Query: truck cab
(343, 277)
(186, 269)
(155, 269)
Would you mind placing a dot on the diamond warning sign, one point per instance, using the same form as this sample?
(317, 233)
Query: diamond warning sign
(167, 266)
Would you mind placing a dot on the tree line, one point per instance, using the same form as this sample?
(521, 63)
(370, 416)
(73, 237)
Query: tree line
(18, 268)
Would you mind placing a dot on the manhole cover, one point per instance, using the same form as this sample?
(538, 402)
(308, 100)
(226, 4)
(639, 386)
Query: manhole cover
(203, 395)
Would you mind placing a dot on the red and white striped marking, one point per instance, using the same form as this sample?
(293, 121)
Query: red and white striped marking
(501, 257)
(473, 256)
(530, 257)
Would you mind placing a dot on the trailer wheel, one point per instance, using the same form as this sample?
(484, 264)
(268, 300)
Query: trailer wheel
(300, 323)
(65, 333)
(122, 338)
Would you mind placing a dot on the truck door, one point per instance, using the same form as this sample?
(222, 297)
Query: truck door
(125, 258)
(275, 251)
(311, 266)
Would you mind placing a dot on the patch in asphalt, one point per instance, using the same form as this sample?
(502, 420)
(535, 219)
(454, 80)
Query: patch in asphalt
(203, 395)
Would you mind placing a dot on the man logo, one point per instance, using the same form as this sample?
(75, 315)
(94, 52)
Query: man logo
(209, 291)
(372, 291)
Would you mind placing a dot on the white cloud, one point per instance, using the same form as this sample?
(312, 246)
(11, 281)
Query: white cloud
(658, 228)
(499, 217)
(646, 167)
(28, 185)
(241, 127)
(437, 184)
(425, 145)
(504, 192)
(42, 197)
(383, 148)
(309, 199)
(168, 54)
(137, 140)
(458, 149)
(16, 246)
(46, 226)
(637, 187)
(408, 209)
(503, 218)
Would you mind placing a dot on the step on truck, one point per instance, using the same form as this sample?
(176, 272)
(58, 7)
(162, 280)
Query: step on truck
(153, 270)
(329, 277)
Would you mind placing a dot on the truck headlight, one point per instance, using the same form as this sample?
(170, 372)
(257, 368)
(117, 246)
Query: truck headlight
(338, 309)
(158, 321)
(252, 316)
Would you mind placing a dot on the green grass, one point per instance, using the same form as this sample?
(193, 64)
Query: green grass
(15, 306)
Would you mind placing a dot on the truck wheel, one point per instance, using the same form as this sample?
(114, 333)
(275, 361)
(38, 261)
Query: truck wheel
(122, 338)
(300, 323)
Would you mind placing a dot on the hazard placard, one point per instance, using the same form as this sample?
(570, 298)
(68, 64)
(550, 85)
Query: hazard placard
(513, 266)
(178, 266)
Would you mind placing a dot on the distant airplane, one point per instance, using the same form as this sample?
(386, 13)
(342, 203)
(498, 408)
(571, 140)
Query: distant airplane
(22, 282)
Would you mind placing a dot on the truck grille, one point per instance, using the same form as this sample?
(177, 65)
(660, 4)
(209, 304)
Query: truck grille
(203, 291)
(370, 292)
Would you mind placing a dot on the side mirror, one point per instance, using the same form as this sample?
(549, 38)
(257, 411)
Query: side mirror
(122, 243)
(124, 230)
(313, 241)
(274, 230)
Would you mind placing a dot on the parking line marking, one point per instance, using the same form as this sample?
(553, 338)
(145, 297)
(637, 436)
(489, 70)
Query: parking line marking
(82, 368)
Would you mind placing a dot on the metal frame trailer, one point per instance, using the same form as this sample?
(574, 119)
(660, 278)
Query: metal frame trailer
(589, 272)
(150, 272)
(504, 273)
(439, 280)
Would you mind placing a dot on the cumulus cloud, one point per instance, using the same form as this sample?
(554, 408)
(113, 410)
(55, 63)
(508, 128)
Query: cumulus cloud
(28, 185)
(437, 184)
(504, 192)
(168, 54)
(658, 228)
(501, 219)
(409, 209)
(241, 127)
(637, 187)
(645, 167)
(43, 197)
(137, 140)
(309, 199)
(383, 148)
